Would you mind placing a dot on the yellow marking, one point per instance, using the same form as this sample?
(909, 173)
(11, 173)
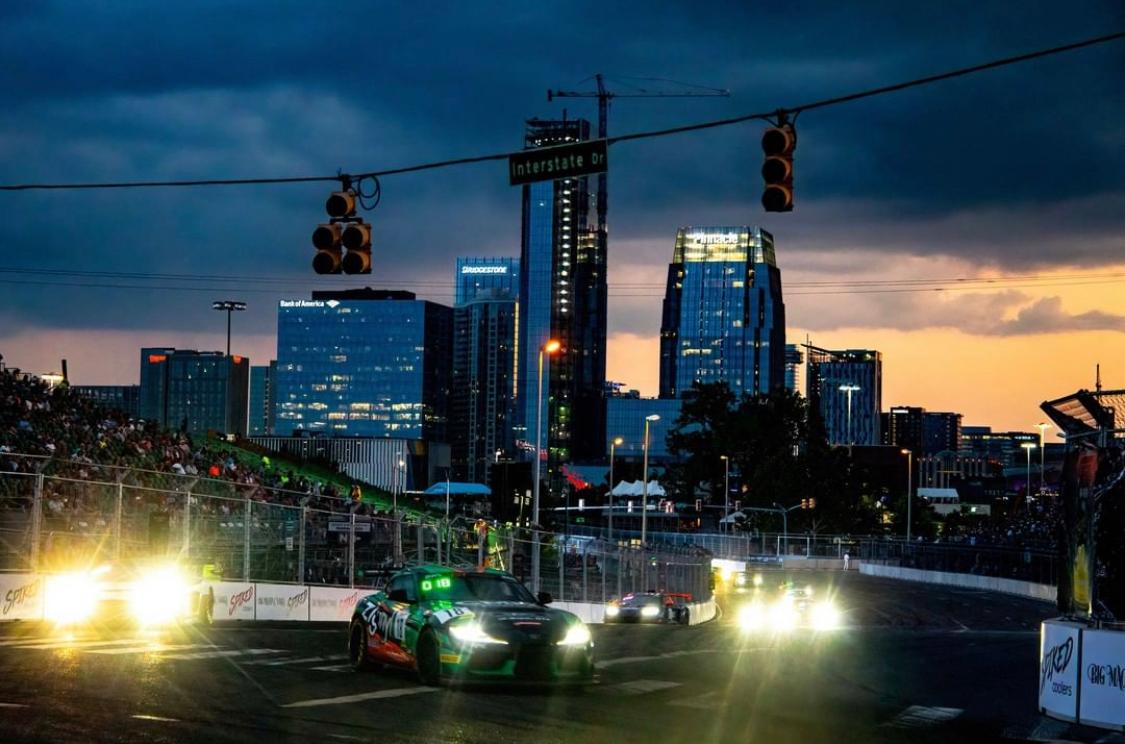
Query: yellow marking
(450, 659)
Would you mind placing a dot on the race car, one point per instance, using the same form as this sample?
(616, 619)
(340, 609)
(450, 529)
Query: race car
(649, 607)
(468, 625)
(125, 594)
(793, 608)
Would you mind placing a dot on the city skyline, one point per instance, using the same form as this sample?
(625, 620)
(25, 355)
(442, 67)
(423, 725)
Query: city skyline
(903, 216)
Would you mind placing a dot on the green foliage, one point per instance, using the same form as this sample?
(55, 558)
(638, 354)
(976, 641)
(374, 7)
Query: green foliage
(778, 455)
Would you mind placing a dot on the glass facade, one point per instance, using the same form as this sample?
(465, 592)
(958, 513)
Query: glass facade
(625, 418)
(847, 388)
(487, 278)
(124, 398)
(195, 391)
(363, 363)
(723, 318)
(263, 381)
(794, 360)
(562, 296)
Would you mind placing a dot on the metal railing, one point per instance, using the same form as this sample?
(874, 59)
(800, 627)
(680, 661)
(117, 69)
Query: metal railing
(54, 521)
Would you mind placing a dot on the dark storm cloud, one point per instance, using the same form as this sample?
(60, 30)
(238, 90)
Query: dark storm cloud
(980, 167)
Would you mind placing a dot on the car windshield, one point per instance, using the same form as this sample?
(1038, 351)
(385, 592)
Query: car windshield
(479, 588)
(642, 600)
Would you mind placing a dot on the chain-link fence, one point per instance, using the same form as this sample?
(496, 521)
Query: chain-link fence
(739, 545)
(52, 521)
(1024, 564)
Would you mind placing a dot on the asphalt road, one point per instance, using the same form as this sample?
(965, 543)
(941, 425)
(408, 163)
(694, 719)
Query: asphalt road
(917, 663)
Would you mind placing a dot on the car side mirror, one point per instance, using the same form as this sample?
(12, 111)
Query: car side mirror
(544, 598)
(399, 595)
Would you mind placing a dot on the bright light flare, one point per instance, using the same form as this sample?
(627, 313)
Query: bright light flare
(757, 579)
(577, 635)
(71, 598)
(825, 616)
(159, 596)
(612, 610)
(650, 611)
(784, 617)
(472, 633)
(752, 617)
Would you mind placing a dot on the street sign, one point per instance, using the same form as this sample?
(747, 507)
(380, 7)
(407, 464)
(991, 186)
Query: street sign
(562, 161)
(289, 543)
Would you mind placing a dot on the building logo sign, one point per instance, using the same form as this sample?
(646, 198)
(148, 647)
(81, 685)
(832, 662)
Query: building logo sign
(484, 269)
(307, 303)
(332, 303)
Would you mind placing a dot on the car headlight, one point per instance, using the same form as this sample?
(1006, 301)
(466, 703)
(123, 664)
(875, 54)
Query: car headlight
(825, 616)
(751, 617)
(650, 611)
(757, 579)
(472, 633)
(783, 617)
(577, 635)
(159, 596)
(71, 598)
(612, 610)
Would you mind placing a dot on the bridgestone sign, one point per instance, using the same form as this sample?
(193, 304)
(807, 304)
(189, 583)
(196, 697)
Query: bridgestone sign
(553, 163)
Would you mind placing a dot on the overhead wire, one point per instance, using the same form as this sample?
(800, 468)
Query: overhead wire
(668, 131)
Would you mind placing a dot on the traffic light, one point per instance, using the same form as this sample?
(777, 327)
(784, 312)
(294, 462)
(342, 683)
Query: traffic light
(326, 240)
(357, 239)
(812, 503)
(804, 503)
(778, 144)
(340, 204)
(699, 504)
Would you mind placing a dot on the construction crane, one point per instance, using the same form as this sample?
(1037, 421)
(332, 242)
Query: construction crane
(605, 96)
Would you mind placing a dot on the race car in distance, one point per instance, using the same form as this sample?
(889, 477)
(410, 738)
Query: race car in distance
(649, 607)
(125, 594)
(471, 625)
(792, 609)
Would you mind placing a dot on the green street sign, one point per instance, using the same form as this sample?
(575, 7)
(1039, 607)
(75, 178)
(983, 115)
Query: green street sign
(561, 161)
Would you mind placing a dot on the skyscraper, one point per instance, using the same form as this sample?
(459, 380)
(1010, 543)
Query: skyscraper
(197, 391)
(562, 296)
(485, 360)
(846, 387)
(263, 386)
(364, 363)
(794, 360)
(723, 319)
(905, 428)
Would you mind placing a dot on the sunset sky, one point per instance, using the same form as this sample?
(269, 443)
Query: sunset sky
(1017, 174)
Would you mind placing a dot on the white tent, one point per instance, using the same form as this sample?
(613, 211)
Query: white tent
(636, 488)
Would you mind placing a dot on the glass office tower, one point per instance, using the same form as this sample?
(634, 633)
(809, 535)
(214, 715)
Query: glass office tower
(723, 319)
(363, 363)
(846, 386)
(485, 277)
(263, 385)
(195, 391)
(562, 296)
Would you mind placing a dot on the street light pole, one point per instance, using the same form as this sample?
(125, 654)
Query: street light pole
(612, 451)
(229, 306)
(1042, 451)
(1028, 446)
(548, 348)
(726, 490)
(644, 483)
(848, 390)
(909, 488)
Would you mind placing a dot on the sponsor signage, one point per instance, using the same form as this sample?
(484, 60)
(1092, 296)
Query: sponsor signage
(282, 602)
(553, 163)
(21, 597)
(234, 601)
(1058, 669)
(484, 269)
(332, 604)
(308, 303)
(1103, 678)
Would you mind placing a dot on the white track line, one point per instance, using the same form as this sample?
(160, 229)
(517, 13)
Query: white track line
(224, 654)
(642, 686)
(344, 699)
(151, 648)
(922, 716)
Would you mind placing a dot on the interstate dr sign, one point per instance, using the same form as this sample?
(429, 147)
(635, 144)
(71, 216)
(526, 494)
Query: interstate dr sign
(553, 163)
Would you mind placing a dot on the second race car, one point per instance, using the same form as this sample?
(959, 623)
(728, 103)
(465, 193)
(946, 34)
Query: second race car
(649, 607)
(448, 624)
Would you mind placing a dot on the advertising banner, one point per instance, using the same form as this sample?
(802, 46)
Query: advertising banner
(1103, 678)
(21, 597)
(234, 601)
(1058, 669)
(333, 604)
(282, 602)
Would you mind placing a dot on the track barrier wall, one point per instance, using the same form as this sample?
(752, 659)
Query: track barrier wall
(1043, 592)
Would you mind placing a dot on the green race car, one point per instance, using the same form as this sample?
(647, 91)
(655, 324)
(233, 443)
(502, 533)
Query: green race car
(446, 623)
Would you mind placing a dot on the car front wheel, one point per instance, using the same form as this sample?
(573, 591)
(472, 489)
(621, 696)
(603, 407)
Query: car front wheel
(357, 649)
(429, 660)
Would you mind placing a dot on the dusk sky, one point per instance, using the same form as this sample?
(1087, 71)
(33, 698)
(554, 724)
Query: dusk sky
(1016, 174)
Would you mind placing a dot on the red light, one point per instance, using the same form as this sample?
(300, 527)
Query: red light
(156, 358)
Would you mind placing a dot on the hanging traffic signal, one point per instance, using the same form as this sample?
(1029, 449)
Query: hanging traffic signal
(778, 144)
(812, 503)
(326, 240)
(340, 204)
(699, 504)
(804, 503)
(357, 239)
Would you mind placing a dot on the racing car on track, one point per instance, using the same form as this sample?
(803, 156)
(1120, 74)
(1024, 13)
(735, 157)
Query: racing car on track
(472, 625)
(792, 608)
(649, 607)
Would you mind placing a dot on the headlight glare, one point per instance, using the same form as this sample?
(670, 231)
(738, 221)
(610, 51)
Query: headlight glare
(825, 617)
(472, 632)
(159, 596)
(71, 598)
(577, 635)
(650, 611)
(751, 617)
(612, 610)
(783, 617)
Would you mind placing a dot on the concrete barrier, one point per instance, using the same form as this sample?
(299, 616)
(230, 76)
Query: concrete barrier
(1031, 590)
